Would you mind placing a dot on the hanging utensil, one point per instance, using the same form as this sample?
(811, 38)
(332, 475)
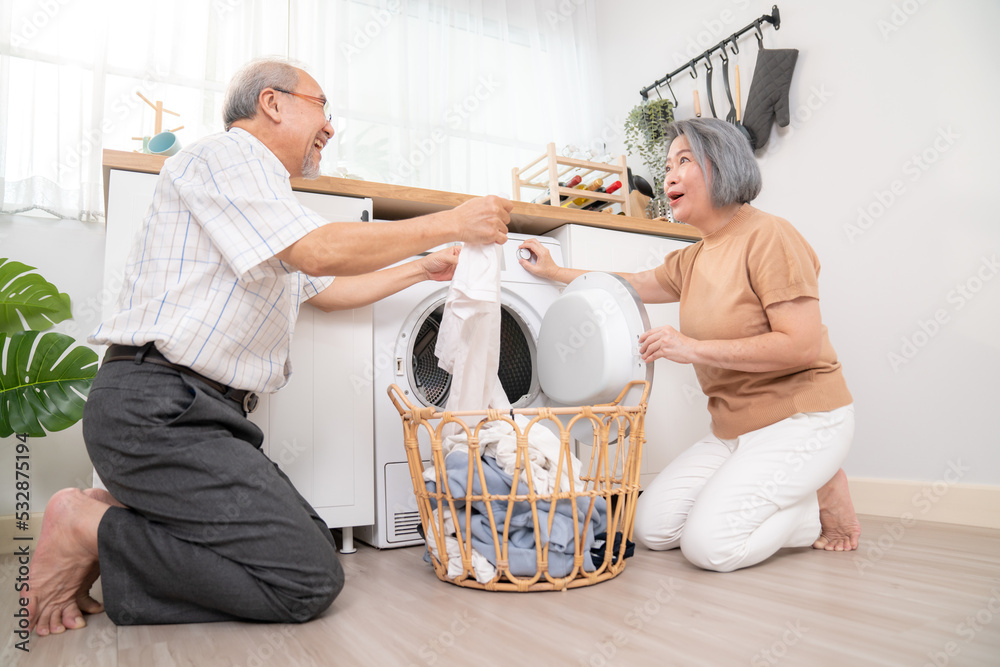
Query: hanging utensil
(711, 100)
(738, 94)
(731, 116)
(697, 105)
(742, 128)
(642, 185)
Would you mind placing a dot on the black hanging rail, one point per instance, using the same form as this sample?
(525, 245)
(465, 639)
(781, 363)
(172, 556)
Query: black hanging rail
(774, 18)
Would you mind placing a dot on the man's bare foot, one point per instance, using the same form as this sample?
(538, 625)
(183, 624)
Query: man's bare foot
(84, 601)
(65, 563)
(840, 528)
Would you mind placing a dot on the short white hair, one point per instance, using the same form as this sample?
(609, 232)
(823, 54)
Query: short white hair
(246, 85)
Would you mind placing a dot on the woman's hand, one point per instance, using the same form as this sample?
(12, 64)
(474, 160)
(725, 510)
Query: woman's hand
(440, 265)
(544, 266)
(795, 341)
(667, 343)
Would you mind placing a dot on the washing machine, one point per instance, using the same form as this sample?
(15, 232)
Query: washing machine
(405, 327)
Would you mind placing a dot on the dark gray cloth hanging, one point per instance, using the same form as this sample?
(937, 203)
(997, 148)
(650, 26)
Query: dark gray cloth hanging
(768, 97)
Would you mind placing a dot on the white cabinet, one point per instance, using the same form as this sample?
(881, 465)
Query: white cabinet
(129, 196)
(318, 428)
(678, 414)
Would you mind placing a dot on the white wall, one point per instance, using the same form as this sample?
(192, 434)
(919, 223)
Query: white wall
(863, 105)
(69, 254)
(877, 86)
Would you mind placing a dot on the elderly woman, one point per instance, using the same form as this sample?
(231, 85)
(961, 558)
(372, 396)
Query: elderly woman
(768, 475)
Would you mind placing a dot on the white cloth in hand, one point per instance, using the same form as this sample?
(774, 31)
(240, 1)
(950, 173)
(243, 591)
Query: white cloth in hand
(468, 342)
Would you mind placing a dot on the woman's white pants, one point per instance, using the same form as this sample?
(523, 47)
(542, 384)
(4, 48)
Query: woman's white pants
(733, 503)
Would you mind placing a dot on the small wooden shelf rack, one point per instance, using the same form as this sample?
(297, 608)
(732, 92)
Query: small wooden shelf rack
(545, 172)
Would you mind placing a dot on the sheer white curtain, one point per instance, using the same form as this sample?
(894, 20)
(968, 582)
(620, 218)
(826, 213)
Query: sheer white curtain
(451, 94)
(70, 71)
(444, 94)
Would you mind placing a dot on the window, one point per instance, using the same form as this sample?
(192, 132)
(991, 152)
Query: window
(442, 95)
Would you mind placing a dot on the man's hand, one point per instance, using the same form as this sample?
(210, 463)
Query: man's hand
(483, 220)
(440, 265)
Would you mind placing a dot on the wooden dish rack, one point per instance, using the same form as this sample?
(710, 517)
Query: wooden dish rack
(551, 167)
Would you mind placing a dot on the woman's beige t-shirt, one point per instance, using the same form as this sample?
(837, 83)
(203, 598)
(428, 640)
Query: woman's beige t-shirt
(725, 281)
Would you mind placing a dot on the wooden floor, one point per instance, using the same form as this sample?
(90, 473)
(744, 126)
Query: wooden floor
(925, 594)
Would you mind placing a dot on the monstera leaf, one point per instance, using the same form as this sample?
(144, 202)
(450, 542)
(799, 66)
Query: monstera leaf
(43, 385)
(29, 296)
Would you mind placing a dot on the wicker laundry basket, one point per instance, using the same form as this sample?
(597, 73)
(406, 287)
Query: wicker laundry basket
(609, 476)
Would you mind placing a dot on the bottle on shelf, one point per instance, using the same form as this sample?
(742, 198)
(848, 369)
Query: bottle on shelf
(587, 203)
(580, 201)
(578, 186)
(547, 197)
(597, 205)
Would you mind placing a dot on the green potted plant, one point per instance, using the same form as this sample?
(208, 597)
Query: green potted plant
(645, 127)
(44, 378)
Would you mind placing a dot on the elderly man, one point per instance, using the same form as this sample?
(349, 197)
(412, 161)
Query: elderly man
(199, 525)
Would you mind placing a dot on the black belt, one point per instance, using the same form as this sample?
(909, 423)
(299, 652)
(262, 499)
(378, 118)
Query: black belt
(150, 355)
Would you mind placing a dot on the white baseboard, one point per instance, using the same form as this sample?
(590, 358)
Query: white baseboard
(9, 530)
(964, 504)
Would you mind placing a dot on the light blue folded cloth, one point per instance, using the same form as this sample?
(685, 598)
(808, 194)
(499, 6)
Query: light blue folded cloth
(521, 548)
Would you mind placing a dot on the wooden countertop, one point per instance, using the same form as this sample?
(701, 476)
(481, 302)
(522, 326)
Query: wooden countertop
(395, 202)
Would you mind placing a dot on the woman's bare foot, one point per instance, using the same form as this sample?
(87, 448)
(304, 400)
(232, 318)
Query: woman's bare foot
(65, 564)
(840, 528)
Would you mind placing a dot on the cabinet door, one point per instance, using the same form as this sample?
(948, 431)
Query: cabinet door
(319, 425)
(677, 415)
(129, 196)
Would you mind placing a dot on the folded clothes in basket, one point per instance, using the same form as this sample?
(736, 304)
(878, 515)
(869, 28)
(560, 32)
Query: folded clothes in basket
(498, 440)
(521, 544)
(482, 568)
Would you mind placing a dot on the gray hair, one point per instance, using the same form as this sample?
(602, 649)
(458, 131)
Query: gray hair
(735, 174)
(246, 85)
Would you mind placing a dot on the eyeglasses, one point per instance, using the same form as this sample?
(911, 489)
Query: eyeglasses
(327, 110)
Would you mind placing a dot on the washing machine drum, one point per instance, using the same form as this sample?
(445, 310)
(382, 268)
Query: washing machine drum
(588, 346)
(517, 360)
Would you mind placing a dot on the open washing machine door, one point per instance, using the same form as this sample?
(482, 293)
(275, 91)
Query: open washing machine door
(588, 344)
